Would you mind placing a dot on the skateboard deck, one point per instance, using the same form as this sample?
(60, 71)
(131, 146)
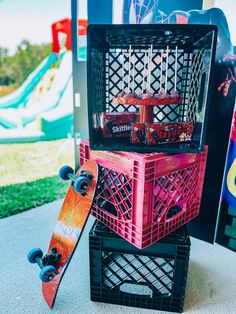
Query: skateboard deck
(69, 228)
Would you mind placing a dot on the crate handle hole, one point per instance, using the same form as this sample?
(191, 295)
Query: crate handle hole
(108, 207)
(168, 33)
(135, 289)
(175, 211)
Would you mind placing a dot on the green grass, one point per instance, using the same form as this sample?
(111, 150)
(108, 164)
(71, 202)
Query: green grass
(29, 174)
(21, 163)
(20, 197)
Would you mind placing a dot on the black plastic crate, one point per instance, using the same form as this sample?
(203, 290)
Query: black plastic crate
(180, 59)
(152, 278)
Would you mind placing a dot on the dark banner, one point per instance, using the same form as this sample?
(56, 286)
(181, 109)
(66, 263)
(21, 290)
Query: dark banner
(219, 123)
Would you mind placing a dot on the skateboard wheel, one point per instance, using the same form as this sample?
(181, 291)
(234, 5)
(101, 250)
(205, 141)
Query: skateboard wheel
(64, 171)
(33, 254)
(47, 273)
(81, 184)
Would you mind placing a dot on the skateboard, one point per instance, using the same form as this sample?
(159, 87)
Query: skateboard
(68, 230)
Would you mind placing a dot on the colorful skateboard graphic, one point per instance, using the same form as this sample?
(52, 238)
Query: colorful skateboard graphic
(68, 230)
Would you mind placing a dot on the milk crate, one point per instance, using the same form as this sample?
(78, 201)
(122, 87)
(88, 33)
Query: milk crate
(153, 278)
(160, 72)
(145, 197)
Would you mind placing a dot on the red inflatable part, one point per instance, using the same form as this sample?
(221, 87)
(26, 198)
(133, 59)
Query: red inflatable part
(82, 27)
(63, 26)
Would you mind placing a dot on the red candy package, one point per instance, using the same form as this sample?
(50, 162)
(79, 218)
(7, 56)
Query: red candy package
(117, 124)
(169, 133)
(138, 134)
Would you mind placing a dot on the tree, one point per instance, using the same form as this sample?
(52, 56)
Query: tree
(3, 54)
(15, 69)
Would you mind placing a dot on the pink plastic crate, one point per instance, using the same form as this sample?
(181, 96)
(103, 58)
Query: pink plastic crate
(144, 197)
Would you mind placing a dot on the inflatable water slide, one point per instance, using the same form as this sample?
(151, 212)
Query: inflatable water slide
(42, 107)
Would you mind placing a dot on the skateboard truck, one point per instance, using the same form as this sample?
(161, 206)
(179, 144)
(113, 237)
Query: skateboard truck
(47, 263)
(52, 258)
(80, 183)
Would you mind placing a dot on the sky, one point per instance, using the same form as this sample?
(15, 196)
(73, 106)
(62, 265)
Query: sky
(29, 19)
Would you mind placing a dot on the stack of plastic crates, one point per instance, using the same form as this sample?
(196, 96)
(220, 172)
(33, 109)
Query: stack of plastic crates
(147, 97)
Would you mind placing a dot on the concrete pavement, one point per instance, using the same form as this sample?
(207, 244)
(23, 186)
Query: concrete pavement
(211, 281)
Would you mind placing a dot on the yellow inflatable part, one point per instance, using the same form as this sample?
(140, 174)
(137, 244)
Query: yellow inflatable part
(39, 123)
(231, 176)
